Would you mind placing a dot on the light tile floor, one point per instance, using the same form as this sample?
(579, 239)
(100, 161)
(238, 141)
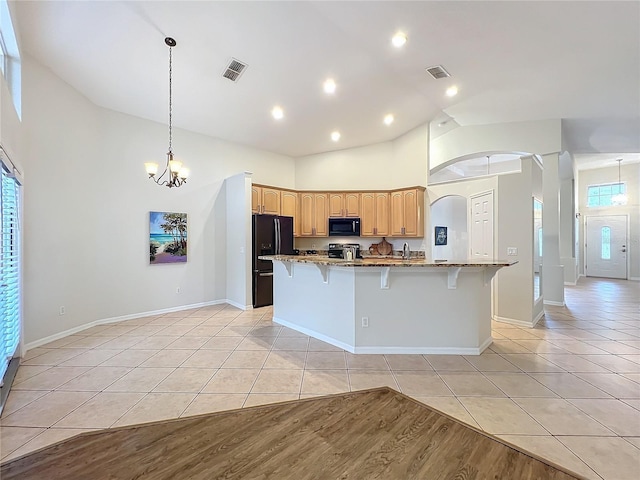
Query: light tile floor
(568, 390)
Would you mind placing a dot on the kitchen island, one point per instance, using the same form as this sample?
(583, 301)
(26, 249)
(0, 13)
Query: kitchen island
(387, 305)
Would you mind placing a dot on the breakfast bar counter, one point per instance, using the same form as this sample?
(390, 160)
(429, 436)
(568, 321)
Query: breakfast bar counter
(387, 304)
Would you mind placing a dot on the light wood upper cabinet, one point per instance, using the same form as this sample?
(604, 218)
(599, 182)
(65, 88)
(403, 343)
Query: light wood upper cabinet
(289, 208)
(396, 213)
(407, 213)
(314, 214)
(374, 214)
(345, 204)
(265, 200)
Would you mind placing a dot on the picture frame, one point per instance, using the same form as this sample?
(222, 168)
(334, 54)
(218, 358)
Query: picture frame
(167, 237)
(440, 236)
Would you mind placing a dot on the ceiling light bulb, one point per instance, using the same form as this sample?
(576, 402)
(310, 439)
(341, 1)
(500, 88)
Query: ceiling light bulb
(399, 39)
(277, 113)
(175, 166)
(335, 136)
(388, 119)
(329, 86)
(152, 168)
(452, 91)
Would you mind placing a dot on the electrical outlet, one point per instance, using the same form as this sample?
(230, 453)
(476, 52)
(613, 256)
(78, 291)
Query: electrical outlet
(177, 289)
(313, 245)
(365, 322)
(62, 310)
(512, 251)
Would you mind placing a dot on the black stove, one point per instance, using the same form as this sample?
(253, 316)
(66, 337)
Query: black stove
(337, 250)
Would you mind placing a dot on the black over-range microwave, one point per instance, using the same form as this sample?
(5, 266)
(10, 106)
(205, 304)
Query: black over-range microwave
(344, 227)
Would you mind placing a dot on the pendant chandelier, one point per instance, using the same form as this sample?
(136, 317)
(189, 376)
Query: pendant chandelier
(620, 198)
(176, 173)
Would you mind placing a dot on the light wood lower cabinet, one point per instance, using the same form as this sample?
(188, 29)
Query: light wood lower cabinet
(407, 213)
(344, 204)
(314, 214)
(374, 214)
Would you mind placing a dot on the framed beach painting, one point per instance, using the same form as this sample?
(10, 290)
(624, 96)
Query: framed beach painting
(167, 237)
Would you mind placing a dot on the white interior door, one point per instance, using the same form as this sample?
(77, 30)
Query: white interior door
(482, 226)
(606, 246)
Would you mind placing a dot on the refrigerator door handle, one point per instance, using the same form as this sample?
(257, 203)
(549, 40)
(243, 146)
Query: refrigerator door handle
(276, 222)
(266, 274)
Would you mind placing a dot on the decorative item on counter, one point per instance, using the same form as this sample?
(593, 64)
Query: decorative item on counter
(384, 247)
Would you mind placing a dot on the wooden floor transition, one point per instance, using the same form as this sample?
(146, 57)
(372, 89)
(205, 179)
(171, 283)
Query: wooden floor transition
(376, 433)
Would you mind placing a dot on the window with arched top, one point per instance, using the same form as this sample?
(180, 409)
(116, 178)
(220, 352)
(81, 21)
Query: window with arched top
(605, 233)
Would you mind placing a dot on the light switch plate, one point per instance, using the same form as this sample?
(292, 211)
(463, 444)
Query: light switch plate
(512, 251)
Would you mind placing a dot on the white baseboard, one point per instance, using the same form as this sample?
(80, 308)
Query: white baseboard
(572, 284)
(56, 336)
(556, 304)
(518, 323)
(239, 305)
(537, 319)
(314, 334)
(634, 279)
(386, 350)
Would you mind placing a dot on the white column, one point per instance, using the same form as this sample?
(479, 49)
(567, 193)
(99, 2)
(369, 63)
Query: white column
(567, 229)
(552, 269)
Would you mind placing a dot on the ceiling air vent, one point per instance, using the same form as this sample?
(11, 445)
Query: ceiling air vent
(234, 70)
(438, 72)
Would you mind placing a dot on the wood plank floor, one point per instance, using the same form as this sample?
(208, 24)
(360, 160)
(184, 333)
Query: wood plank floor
(377, 433)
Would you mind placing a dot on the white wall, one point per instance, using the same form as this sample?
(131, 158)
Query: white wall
(388, 165)
(567, 229)
(539, 137)
(87, 201)
(239, 247)
(383, 166)
(514, 220)
(629, 173)
(451, 212)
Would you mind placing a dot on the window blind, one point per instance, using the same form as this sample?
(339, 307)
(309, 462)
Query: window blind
(9, 270)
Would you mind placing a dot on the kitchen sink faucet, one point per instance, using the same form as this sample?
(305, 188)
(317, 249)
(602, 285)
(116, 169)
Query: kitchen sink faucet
(406, 252)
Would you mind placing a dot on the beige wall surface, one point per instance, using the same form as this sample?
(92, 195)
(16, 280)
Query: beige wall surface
(87, 202)
(538, 137)
(396, 164)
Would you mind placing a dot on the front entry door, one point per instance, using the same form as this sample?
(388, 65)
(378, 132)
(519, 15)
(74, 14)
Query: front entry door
(606, 246)
(482, 226)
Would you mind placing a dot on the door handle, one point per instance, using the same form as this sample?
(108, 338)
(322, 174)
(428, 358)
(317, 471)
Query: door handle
(269, 274)
(624, 250)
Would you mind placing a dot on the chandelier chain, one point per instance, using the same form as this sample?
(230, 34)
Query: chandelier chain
(176, 173)
(170, 95)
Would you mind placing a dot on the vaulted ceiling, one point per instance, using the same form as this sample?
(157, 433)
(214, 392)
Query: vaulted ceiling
(511, 61)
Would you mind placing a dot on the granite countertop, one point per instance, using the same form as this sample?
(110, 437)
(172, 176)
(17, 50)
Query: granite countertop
(386, 261)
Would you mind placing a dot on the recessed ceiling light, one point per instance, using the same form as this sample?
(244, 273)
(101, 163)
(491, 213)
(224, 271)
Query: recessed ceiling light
(399, 39)
(329, 86)
(452, 91)
(277, 113)
(388, 119)
(335, 136)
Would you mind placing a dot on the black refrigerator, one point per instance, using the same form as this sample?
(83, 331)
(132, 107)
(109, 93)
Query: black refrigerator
(272, 235)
